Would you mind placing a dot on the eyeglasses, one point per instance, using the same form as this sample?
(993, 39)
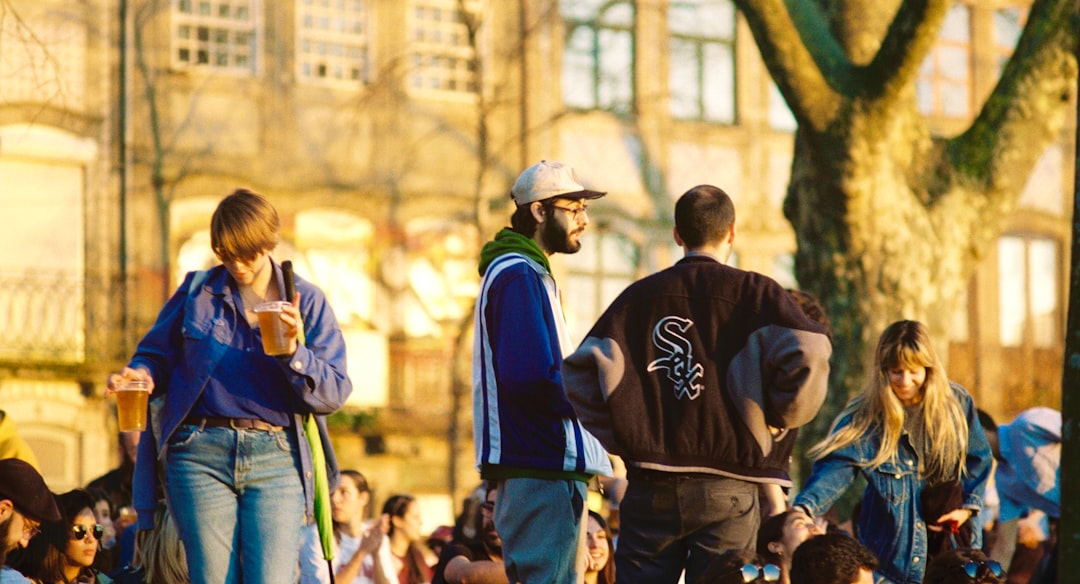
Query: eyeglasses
(979, 569)
(30, 527)
(575, 212)
(78, 532)
(768, 573)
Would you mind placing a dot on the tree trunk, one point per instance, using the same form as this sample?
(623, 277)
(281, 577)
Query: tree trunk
(891, 221)
(869, 246)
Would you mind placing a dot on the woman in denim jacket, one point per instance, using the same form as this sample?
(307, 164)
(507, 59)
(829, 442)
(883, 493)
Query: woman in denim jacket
(910, 429)
(229, 432)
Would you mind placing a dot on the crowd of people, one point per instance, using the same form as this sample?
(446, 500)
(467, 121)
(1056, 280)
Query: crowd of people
(681, 405)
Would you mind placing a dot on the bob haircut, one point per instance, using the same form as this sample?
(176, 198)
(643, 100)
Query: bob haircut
(243, 226)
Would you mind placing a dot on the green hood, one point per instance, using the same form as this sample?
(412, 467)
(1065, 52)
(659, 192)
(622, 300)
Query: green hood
(508, 241)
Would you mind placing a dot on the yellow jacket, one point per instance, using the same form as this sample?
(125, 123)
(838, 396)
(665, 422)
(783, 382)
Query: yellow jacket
(12, 445)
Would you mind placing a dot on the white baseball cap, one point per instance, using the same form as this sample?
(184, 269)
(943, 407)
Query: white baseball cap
(547, 179)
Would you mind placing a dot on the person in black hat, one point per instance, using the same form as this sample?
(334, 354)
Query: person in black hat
(25, 501)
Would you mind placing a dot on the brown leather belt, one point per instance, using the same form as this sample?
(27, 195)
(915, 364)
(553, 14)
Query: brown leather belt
(234, 423)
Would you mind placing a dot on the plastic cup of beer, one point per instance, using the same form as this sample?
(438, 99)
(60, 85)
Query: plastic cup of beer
(272, 327)
(131, 398)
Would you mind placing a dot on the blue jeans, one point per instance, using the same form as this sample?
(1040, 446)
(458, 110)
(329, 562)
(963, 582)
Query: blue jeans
(238, 503)
(539, 522)
(670, 522)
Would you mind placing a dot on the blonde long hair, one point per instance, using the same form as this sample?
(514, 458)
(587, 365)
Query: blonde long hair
(160, 553)
(905, 344)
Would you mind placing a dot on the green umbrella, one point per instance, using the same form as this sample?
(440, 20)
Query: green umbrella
(324, 518)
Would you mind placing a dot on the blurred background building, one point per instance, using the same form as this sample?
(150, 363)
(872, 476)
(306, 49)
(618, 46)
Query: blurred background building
(388, 133)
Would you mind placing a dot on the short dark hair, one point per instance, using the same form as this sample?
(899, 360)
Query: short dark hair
(358, 479)
(522, 221)
(772, 529)
(832, 558)
(703, 215)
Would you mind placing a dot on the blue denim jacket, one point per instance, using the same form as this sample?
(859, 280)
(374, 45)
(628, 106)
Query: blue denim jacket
(184, 346)
(890, 523)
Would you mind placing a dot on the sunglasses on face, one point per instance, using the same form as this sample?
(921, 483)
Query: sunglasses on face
(979, 569)
(79, 532)
(768, 573)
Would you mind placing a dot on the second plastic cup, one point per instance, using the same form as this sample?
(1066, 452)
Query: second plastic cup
(131, 398)
(272, 327)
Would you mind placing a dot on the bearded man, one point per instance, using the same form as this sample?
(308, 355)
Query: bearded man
(526, 434)
(25, 502)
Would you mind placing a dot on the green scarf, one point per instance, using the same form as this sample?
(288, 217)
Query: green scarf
(507, 241)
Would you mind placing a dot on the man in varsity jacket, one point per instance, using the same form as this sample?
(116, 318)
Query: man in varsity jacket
(526, 434)
(692, 375)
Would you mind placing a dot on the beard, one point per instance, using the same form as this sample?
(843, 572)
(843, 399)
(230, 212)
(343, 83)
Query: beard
(492, 542)
(5, 534)
(556, 237)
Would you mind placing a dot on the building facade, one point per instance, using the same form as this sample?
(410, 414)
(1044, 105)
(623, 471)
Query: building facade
(387, 133)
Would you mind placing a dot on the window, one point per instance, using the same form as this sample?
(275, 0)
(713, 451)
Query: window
(960, 327)
(604, 267)
(42, 267)
(43, 59)
(217, 34)
(780, 116)
(443, 57)
(1008, 25)
(333, 40)
(598, 55)
(1028, 291)
(702, 62)
(783, 270)
(944, 83)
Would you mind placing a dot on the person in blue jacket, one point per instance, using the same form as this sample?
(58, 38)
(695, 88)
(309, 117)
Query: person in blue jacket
(526, 435)
(911, 432)
(227, 423)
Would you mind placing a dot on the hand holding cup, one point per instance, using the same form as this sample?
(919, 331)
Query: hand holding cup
(132, 388)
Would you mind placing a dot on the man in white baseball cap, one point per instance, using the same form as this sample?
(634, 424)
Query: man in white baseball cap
(526, 435)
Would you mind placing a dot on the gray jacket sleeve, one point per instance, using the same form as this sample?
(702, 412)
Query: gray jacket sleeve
(590, 374)
(779, 380)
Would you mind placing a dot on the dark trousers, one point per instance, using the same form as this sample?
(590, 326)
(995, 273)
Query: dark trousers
(670, 522)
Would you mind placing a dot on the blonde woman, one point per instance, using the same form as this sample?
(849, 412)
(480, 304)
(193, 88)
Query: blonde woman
(910, 432)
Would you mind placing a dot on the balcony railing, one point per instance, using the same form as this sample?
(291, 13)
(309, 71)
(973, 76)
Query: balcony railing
(42, 317)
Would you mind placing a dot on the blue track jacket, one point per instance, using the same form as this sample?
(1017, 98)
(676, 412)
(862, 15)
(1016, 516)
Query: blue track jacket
(523, 425)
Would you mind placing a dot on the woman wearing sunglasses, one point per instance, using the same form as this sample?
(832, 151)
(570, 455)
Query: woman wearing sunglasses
(64, 553)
